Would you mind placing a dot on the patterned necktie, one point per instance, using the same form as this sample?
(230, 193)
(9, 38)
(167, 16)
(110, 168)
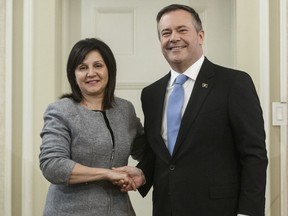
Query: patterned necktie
(174, 109)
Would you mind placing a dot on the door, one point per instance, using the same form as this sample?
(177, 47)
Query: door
(129, 28)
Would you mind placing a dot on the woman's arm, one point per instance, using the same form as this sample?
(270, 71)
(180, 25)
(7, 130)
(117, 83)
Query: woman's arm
(84, 174)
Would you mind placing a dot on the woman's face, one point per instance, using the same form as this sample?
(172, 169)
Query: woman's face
(92, 75)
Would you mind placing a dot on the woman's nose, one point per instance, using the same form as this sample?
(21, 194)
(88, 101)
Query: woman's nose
(91, 72)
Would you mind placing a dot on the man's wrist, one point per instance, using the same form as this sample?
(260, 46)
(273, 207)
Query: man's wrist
(142, 177)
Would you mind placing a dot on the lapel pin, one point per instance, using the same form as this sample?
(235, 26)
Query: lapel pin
(204, 85)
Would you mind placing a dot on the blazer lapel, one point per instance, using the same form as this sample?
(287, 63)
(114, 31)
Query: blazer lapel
(203, 85)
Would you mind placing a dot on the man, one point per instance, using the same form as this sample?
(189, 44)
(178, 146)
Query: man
(218, 164)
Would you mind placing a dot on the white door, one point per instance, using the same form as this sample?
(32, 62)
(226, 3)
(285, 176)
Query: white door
(129, 28)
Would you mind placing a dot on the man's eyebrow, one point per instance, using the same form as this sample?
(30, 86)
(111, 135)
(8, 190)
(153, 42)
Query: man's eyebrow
(177, 27)
(182, 26)
(166, 29)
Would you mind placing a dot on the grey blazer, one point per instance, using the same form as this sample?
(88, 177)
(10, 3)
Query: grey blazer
(73, 134)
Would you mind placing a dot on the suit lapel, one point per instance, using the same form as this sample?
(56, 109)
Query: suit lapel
(203, 85)
(159, 94)
(160, 98)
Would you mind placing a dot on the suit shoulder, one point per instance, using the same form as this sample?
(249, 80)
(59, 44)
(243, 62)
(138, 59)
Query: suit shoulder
(160, 82)
(223, 74)
(229, 71)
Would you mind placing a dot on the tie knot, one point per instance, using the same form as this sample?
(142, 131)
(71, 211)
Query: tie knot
(180, 79)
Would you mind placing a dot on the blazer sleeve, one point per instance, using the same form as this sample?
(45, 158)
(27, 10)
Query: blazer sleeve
(147, 166)
(54, 157)
(248, 130)
(139, 142)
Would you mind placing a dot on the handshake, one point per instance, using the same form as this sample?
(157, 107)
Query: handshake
(128, 178)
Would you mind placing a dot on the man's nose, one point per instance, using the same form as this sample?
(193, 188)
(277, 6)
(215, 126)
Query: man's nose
(174, 36)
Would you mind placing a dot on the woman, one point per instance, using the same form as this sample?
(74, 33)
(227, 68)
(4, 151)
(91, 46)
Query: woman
(86, 133)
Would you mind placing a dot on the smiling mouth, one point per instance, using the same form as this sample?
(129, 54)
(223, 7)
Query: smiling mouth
(92, 81)
(176, 47)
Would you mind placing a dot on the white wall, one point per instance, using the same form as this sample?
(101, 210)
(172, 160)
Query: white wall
(258, 52)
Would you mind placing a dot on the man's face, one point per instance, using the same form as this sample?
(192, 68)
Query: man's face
(181, 44)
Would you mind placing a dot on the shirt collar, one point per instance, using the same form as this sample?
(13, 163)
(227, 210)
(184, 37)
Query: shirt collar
(192, 72)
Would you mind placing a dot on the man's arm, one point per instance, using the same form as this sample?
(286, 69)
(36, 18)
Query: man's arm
(249, 137)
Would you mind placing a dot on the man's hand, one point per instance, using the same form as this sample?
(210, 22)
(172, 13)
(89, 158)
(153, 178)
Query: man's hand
(118, 177)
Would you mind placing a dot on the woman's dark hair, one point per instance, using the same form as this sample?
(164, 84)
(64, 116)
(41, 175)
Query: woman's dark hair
(77, 56)
(173, 7)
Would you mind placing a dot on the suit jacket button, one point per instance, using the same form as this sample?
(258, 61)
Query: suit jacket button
(172, 167)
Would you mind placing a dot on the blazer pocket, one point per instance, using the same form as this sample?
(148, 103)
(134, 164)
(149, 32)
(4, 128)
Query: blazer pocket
(224, 191)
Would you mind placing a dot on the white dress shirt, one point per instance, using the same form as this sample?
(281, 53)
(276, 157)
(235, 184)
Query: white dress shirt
(191, 73)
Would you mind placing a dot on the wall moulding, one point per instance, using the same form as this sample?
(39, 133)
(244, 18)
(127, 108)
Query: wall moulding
(131, 85)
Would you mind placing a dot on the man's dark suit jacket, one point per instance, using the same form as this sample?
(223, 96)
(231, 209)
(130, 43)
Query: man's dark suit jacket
(218, 167)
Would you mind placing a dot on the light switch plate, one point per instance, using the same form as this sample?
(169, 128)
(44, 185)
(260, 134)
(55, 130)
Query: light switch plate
(279, 113)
